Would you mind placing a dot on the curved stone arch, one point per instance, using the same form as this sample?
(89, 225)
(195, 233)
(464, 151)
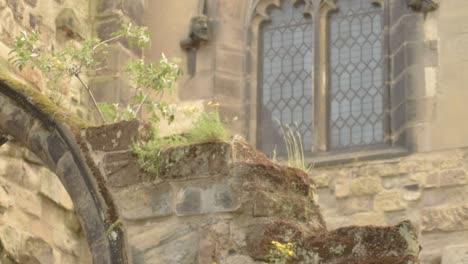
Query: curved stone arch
(255, 15)
(58, 146)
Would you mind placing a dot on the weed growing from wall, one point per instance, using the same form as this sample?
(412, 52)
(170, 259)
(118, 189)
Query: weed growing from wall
(294, 147)
(206, 126)
(280, 253)
(149, 153)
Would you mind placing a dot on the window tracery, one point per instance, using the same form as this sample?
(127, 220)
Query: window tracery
(335, 91)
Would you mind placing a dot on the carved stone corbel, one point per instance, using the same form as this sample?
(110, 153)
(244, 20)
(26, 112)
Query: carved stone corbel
(199, 29)
(199, 33)
(423, 6)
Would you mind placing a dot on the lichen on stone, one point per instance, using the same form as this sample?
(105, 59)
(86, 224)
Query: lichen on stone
(338, 250)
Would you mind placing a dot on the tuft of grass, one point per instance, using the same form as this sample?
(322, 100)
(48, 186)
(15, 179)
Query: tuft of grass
(149, 153)
(294, 148)
(208, 126)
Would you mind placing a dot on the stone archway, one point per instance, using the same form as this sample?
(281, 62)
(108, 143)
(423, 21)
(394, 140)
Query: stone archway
(58, 146)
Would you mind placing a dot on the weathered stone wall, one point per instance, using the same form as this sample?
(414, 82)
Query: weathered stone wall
(429, 189)
(224, 202)
(56, 21)
(448, 128)
(37, 218)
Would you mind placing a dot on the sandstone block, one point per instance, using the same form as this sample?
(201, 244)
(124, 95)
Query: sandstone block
(342, 189)
(450, 218)
(66, 241)
(226, 85)
(352, 205)
(115, 137)
(166, 243)
(211, 198)
(365, 186)
(10, 150)
(189, 202)
(432, 180)
(277, 205)
(12, 170)
(322, 180)
(5, 200)
(196, 161)
(389, 201)
(446, 164)
(37, 250)
(146, 201)
(26, 200)
(253, 166)
(122, 169)
(453, 177)
(11, 240)
(31, 157)
(52, 188)
(446, 178)
(230, 61)
(372, 218)
(396, 244)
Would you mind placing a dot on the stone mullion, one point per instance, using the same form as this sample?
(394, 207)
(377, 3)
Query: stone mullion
(387, 126)
(316, 83)
(321, 108)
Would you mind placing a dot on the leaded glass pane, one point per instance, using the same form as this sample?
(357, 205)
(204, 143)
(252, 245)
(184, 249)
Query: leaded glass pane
(285, 80)
(356, 74)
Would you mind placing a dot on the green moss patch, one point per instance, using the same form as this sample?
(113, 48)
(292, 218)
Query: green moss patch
(37, 99)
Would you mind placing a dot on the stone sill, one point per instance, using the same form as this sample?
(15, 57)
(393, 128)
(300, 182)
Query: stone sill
(335, 158)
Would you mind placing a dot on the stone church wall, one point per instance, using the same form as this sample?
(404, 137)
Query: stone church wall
(430, 189)
(36, 214)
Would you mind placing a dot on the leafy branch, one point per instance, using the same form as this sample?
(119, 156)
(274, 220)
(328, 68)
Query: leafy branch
(74, 58)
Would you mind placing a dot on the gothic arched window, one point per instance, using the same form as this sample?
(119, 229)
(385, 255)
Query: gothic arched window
(286, 75)
(322, 71)
(356, 70)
